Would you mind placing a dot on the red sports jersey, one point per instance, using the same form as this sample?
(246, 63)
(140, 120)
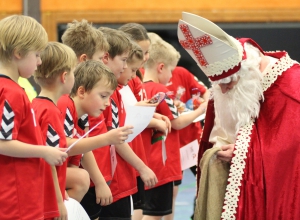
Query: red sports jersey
(102, 154)
(171, 171)
(71, 128)
(21, 191)
(186, 81)
(137, 87)
(51, 121)
(123, 182)
(139, 92)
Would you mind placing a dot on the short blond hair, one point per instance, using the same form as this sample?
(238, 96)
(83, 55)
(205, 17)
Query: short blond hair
(56, 59)
(83, 38)
(22, 34)
(161, 52)
(119, 42)
(154, 37)
(89, 73)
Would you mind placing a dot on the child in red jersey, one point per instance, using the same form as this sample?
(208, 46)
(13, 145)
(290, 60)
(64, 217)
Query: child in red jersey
(185, 85)
(138, 34)
(55, 77)
(94, 84)
(90, 44)
(22, 39)
(158, 71)
(123, 183)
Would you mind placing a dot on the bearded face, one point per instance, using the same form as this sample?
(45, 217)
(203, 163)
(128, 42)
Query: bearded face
(241, 101)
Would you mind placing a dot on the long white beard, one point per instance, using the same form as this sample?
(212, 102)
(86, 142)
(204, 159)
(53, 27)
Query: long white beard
(236, 107)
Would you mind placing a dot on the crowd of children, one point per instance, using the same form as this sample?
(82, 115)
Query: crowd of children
(43, 163)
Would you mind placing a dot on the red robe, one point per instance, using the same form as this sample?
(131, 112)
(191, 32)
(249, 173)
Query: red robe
(264, 172)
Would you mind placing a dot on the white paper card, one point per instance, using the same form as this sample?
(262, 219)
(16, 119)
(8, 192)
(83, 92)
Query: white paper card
(128, 97)
(75, 210)
(188, 155)
(72, 145)
(139, 117)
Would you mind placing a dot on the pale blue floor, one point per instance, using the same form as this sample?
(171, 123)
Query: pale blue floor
(185, 198)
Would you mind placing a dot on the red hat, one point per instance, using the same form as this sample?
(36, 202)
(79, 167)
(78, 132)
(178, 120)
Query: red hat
(218, 54)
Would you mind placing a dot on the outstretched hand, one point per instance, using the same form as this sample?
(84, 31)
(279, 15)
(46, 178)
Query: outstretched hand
(55, 156)
(119, 135)
(226, 153)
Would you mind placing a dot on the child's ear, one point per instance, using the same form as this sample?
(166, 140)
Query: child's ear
(160, 67)
(80, 92)
(83, 58)
(105, 58)
(63, 77)
(17, 54)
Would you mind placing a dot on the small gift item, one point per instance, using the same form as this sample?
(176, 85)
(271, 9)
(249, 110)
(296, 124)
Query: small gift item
(195, 101)
(159, 97)
(180, 91)
(180, 106)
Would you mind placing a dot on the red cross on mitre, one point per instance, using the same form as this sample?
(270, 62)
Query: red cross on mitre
(195, 44)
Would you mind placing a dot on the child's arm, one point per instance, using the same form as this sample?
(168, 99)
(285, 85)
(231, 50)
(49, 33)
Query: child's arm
(146, 174)
(63, 213)
(159, 125)
(15, 148)
(164, 118)
(184, 120)
(103, 193)
(112, 137)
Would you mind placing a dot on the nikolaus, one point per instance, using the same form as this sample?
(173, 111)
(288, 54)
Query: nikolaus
(251, 122)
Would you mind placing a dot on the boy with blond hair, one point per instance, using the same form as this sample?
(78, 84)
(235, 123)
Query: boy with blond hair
(87, 41)
(158, 71)
(55, 77)
(22, 175)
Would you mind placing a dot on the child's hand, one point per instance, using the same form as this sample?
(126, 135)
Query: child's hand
(103, 194)
(202, 108)
(63, 213)
(165, 119)
(146, 103)
(54, 156)
(148, 177)
(161, 126)
(119, 135)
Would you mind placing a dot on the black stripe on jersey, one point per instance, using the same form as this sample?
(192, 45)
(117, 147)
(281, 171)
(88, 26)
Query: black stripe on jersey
(83, 121)
(172, 107)
(68, 124)
(115, 117)
(7, 123)
(52, 137)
